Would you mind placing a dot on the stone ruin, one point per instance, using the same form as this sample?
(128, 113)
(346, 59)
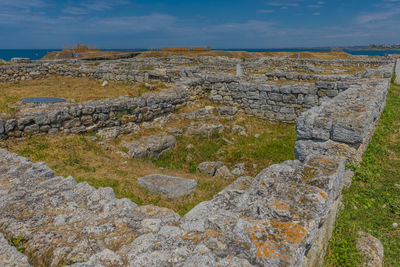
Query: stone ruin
(282, 217)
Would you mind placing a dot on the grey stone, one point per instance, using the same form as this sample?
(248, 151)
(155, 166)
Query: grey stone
(371, 248)
(109, 133)
(209, 167)
(224, 172)
(169, 186)
(152, 146)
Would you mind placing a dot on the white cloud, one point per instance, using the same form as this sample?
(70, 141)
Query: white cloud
(284, 3)
(266, 11)
(372, 17)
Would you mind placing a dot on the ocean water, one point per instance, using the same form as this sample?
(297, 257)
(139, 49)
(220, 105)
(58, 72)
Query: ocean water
(36, 54)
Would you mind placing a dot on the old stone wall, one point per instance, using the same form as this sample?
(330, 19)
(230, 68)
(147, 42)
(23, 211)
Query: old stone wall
(273, 101)
(342, 126)
(75, 118)
(282, 217)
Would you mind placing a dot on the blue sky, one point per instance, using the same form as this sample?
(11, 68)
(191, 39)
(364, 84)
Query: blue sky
(220, 24)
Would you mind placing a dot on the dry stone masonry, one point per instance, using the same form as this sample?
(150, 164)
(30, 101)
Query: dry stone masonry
(282, 217)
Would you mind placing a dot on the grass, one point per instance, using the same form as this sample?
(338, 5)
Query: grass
(244, 55)
(372, 203)
(88, 161)
(73, 89)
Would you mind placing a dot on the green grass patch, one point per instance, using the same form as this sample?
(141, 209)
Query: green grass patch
(372, 203)
(274, 145)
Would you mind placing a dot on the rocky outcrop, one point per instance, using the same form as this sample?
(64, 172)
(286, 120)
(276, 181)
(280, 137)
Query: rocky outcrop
(169, 186)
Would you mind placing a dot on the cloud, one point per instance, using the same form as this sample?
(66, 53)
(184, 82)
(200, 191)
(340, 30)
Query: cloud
(98, 5)
(284, 3)
(372, 17)
(316, 13)
(88, 6)
(265, 11)
(23, 4)
(75, 10)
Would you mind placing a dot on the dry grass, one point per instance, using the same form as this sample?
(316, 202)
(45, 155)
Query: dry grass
(90, 55)
(243, 54)
(72, 89)
(86, 160)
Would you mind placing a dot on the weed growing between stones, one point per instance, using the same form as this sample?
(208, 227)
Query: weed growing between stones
(17, 243)
(372, 204)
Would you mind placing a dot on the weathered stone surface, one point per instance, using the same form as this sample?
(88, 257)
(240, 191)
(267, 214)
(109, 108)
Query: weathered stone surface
(10, 256)
(203, 129)
(209, 167)
(342, 126)
(109, 133)
(151, 146)
(227, 111)
(224, 172)
(198, 114)
(172, 187)
(62, 221)
(372, 250)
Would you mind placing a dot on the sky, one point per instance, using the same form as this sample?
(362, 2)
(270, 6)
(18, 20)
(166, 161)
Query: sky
(34, 24)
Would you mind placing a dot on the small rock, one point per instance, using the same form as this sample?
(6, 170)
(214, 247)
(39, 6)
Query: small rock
(169, 186)
(371, 248)
(227, 111)
(209, 167)
(239, 169)
(123, 154)
(109, 133)
(397, 185)
(104, 84)
(174, 131)
(227, 141)
(92, 138)
(255, 166)
(239, 130)
(395, 225)
(257, 135)
(152, 146)
(224, 172)
(203, 129)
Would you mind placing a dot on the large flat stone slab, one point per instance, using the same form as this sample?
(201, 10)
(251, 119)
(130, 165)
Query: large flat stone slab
(170, 186)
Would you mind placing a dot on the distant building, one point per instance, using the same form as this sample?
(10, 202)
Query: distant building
(80, 48)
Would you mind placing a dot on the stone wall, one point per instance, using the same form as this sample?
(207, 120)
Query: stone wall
(38, 70)
(282, 217)
(343, 126)
(268, 100)
(123, 113)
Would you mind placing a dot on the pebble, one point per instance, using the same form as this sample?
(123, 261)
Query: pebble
(395, 225)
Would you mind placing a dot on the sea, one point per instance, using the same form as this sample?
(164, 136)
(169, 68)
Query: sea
(35, 54)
